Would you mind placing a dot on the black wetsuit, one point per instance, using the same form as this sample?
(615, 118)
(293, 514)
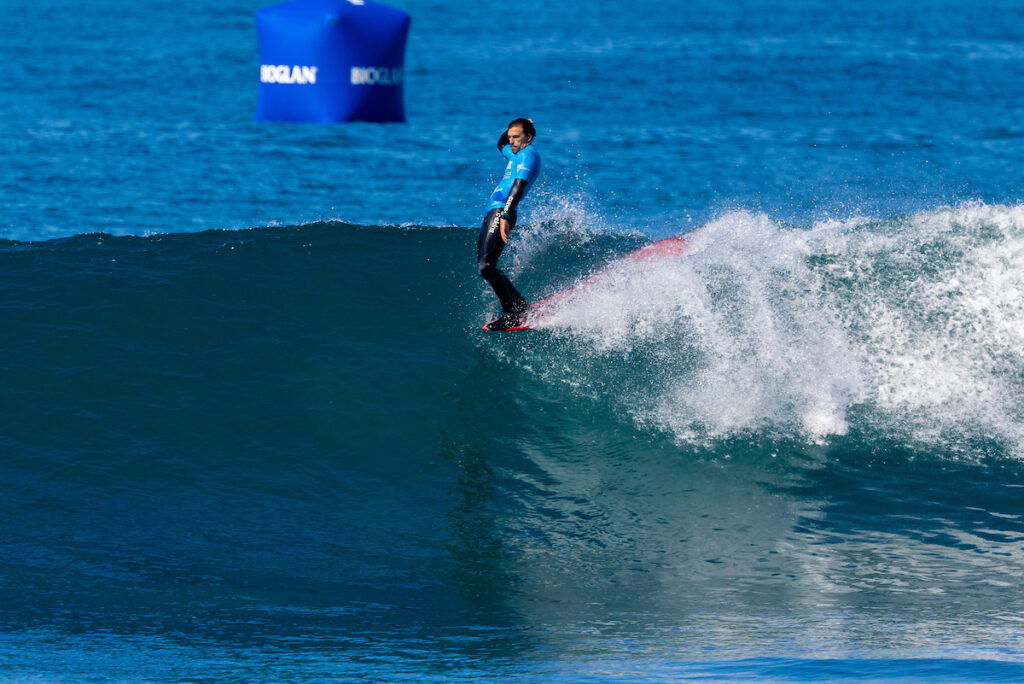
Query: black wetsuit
(488, 248)
(522, 169)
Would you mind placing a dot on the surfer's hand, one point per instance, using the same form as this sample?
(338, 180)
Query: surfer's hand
(503, 229)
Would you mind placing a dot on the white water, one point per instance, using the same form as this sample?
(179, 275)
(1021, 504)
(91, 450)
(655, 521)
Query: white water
(915, 326)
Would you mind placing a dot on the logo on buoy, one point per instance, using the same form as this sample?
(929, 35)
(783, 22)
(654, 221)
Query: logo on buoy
(282, 73)
(376, 76)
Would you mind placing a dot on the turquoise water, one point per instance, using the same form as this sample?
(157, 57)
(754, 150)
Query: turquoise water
(252, 430)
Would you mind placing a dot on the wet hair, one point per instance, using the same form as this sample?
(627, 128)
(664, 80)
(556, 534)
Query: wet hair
(526, 125)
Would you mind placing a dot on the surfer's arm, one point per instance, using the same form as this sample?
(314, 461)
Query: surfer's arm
(504, 147)
(515, 195)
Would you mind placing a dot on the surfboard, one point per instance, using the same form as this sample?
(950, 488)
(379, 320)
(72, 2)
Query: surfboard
(522, 326)
(654, 252)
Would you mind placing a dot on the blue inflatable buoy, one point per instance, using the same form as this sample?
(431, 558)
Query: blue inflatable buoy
(331, 60)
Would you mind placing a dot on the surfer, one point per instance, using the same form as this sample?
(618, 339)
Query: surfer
(516, 145)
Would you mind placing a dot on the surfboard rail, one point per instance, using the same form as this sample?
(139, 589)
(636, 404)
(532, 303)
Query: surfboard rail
(654, 252)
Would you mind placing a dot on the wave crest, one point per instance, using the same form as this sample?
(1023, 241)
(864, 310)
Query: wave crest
(912, 327)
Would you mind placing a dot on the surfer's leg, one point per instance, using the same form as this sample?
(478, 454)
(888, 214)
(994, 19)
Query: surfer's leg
(489, 249)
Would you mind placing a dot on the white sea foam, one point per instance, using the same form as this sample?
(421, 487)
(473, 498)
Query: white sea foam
(558, 218)
(915, 324)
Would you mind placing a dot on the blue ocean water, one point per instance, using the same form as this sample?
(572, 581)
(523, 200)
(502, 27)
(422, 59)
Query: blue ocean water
(251, 429)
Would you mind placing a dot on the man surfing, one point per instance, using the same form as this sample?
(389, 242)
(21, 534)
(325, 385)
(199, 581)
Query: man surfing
(516, 145)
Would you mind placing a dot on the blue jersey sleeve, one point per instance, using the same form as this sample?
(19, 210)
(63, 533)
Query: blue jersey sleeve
(523, 165)
(527, 164)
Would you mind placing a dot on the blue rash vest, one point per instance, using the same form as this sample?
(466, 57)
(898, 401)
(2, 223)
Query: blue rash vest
(524, 164)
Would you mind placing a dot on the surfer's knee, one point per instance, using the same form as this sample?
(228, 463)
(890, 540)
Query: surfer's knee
(487, 269)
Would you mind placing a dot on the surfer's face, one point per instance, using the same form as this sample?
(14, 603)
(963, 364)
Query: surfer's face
(517, 140)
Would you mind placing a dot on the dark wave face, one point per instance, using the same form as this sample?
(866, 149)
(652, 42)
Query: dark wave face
(291, 453)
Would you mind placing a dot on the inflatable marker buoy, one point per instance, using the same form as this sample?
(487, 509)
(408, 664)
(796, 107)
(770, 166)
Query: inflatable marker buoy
(331, 60)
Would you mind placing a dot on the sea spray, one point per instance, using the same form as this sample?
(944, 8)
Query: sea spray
(934, 304)
(914, 324)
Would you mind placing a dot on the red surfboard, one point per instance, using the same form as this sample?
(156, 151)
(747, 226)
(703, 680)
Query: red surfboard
(657, 251)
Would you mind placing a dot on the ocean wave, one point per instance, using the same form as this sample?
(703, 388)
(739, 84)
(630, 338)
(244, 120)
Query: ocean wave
(906, 329)
(914, 325)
